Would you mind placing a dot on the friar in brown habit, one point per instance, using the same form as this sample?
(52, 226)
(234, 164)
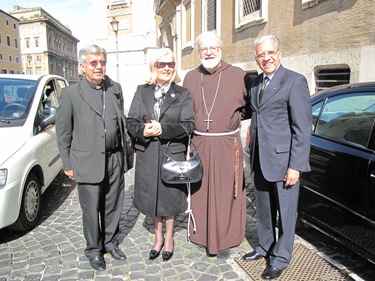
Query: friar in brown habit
(218, 92)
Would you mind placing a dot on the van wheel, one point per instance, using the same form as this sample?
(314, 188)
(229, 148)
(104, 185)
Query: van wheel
(30, 205)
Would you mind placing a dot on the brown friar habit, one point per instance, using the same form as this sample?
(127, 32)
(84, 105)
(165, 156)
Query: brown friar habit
(220, 215)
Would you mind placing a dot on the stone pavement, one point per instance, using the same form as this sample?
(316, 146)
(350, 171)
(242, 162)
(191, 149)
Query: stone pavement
(54, 249)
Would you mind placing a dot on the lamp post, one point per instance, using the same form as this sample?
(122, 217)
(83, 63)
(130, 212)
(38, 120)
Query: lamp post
(115, 24)
(29, 59)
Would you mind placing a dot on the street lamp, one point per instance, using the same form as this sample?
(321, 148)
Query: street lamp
(114, 24)
(29, 59)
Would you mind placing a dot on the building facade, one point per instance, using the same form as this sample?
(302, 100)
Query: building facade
(10, 50)
(47, 46)
(331, 42)
(129, 48)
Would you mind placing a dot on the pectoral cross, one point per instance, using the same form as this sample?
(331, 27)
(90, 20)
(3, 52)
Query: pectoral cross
(208, 120)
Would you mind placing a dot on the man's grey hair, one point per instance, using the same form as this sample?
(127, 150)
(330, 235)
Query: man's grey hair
(91, 49)
(263, 38)
(209, 35)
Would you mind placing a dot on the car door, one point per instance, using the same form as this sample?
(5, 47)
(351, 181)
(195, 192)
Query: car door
(334, 193)
(368, 231)
(45, 137)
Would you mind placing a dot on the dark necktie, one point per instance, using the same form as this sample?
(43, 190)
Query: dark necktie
(266, 80)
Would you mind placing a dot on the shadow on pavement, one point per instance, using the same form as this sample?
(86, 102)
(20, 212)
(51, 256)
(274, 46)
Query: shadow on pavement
(55, 195)
(130, 215)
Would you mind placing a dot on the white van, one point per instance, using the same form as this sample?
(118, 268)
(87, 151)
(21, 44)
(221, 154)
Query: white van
(29, 157)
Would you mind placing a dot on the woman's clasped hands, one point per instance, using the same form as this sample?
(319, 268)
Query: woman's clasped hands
(152, 129)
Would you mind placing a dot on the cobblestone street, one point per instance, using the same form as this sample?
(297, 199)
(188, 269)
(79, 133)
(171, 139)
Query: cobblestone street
(54, 249)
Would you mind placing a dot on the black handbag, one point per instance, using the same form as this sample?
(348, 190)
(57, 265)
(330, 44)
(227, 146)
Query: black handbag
(129, 151)
(129, 157)
(182, 172)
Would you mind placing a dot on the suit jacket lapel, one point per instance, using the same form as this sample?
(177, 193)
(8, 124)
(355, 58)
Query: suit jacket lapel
(255, 90)
(170, 97)
(115, 100)
(87, 97)
(113, 92)
(148, 98)
(274, 85)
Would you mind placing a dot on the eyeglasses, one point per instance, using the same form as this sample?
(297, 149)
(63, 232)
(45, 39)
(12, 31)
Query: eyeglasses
(271, 54)
(161, 64)
(211, 49)
(95, 63)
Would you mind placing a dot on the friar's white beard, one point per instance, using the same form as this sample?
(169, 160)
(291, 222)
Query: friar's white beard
(210, 64)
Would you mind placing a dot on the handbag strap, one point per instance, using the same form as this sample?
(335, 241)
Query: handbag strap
(189, 211)
(169, 142)
(190, 141)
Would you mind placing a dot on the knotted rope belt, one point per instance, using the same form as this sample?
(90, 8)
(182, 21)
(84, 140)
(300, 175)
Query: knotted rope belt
(236, 155)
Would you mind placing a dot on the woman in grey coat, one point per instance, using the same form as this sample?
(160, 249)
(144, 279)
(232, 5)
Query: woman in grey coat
(161, 112)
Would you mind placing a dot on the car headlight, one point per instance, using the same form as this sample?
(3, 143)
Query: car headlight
(3, 177)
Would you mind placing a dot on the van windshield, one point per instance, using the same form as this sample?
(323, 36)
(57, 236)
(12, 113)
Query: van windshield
(16, 96)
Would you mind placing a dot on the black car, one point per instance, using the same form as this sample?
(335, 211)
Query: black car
(338, 195)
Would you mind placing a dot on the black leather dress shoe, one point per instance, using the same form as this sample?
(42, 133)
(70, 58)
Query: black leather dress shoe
(117, 254)
(167, 255)
(155, 253)
(98, 263)
(271, 273)
(252, 256)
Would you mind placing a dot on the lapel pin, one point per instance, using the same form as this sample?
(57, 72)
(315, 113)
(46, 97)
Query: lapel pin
(173, 95)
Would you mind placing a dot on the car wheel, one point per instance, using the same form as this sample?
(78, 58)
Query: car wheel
(30, 205)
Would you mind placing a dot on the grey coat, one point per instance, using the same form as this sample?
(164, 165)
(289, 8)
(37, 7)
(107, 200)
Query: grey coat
(152, 197)
(80, 130)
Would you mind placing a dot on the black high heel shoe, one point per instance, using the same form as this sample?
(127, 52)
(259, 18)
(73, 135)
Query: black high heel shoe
(154, 253)
(167, 255)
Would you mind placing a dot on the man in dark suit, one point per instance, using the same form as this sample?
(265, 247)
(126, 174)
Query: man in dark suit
(279, 152)
(91, 137)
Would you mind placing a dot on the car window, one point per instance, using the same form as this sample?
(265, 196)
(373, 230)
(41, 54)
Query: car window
(60, 84)
(15, 98)
(51, 96)
(49, 99)
(346, 117)
(315, 114)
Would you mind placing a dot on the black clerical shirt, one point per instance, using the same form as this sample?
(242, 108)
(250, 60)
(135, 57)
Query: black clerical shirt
(111, 125)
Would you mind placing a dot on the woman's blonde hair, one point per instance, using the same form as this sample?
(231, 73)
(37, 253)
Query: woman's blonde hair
(155, 58)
